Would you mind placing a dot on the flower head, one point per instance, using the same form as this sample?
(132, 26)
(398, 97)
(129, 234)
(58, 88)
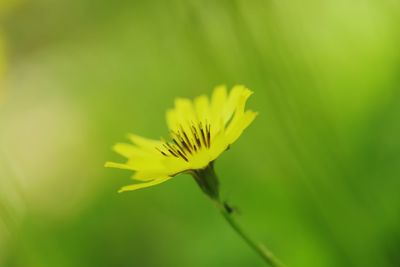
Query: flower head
(200, 130)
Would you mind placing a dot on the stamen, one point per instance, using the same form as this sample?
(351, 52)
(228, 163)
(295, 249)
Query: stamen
(194, 131)
(171, 150)
(178, 140)
(180, 153)
(202, 134)
(162, 152)
(208, 126)
(181, 145)
(177, 144)
(186, 137)
(186, 146)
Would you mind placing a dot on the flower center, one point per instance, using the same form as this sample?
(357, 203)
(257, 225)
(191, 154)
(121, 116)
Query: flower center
(187, 141)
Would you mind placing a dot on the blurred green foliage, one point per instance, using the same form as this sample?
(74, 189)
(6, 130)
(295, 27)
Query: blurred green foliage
(316, 177)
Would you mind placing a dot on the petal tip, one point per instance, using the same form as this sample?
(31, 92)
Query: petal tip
(220, 87)
(123, 166)
(107, 164)
(129, 136)
(121, 190)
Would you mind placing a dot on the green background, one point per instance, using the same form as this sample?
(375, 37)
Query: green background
(315, 177)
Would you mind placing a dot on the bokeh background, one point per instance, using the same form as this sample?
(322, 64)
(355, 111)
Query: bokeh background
(316, 177)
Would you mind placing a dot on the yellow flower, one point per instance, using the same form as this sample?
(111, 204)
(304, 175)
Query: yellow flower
(200, 130)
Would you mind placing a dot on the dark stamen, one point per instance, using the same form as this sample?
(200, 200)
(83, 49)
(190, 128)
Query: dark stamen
(186, 138)
(181, 145)
(178, 145)
(162, 152)
(196, 137)
(171, 150)
(203, 135)
(208, 134)
(186, 146)
(180, 153)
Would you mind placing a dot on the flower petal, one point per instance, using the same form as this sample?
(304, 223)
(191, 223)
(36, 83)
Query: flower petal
(129, 151)
(238, 125)
(236, 101)
(219, 145)
(202, 108)
(218, 102)
(142, 142)
(183, 115)
(149, 175)
(143, 185)
(118, 166)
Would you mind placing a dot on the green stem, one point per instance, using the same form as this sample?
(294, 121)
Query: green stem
(207, 180)
(261, 250)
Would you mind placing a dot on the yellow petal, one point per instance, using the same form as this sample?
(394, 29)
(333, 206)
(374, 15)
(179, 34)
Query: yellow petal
(200, 160)
(173, 165)
(236, 102)
(238, 125)
(202, 108)
(146, 163)
(143, 185)
(219, 145)
(158, 164)
(218, 99)
(144, 142)
(128, 150)
(148, 175)
(183, 115)
(138, 158)
(118, 166)
(185, 112)
(172, 119)
(218, 102)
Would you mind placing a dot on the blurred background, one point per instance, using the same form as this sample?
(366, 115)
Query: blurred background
(315, 177)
